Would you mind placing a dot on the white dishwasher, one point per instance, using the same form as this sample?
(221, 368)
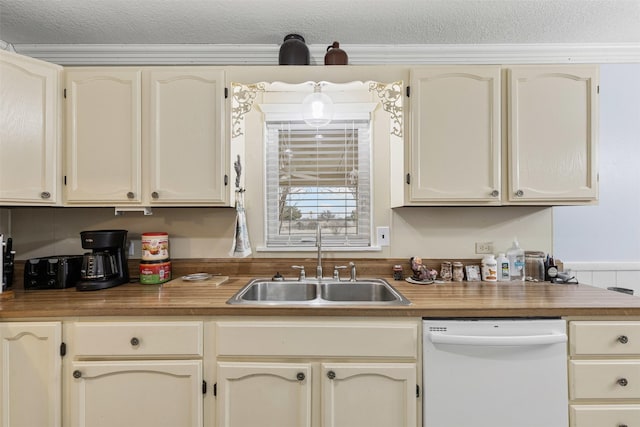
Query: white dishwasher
(495, 373)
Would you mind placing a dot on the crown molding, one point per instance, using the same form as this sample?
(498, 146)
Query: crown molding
(263, 54)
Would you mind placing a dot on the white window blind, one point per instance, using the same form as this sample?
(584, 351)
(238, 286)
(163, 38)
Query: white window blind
(318, 176)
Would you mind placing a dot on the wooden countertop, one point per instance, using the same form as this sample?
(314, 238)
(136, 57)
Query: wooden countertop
(465, 299)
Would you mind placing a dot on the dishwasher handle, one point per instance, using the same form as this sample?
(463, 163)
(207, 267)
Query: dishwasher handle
(498, 340)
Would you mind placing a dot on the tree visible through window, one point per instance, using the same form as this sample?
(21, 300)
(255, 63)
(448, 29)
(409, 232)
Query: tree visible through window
(318, 176)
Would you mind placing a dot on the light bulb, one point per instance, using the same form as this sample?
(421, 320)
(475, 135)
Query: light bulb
(317, 109)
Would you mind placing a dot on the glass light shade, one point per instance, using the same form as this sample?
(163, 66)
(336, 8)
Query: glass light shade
(317, 109)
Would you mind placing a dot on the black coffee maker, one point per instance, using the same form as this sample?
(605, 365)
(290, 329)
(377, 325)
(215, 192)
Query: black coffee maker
(106, 265)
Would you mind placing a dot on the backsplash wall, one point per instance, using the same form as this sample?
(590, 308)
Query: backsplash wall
(438, 232)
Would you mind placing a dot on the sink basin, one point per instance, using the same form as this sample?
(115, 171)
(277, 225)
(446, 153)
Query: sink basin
(314, 292)
(280, 291)
(358, 291)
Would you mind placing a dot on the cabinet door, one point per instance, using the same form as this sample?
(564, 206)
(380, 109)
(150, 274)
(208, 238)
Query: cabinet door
(30, 369)
(369, 394)
(455, 139)
(184, 134)
(264, 394)
(103, 136)
(29, 131)
(553, 133)
(136, 394)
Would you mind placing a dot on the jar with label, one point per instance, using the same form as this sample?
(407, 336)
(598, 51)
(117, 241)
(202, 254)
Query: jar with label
(445, 271)
(458, 272)
(397, 272)
(489, 269)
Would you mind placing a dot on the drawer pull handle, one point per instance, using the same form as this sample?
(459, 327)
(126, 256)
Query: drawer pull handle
(300, 376)
(623, 339)
(622, 425)
(135, 341)
(331, 375)
(623, 382)
(77, 374)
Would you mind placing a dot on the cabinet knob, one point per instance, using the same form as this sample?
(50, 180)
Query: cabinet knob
(623, 339)
(135, 341)
(155, 195)
(495, 193)
(622, 382)
(77, 374)
(130, 195)
(300, 376)
(331, 375)
(45, 195)
(519, 193)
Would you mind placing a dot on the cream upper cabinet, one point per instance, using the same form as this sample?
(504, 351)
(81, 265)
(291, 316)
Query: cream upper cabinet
(146, 136)
(29, 131)
(103, 136)
(552, 134)
(454, 155)
(183, 136)
(548, 119)
(30, 374)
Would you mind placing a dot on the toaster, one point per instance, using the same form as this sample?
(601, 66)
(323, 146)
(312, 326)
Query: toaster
(55, 272)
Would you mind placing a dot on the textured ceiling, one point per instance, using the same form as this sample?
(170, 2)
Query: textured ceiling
(319, 21)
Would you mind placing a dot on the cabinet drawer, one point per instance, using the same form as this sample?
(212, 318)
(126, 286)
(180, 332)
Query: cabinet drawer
(318, 339)
(131, 339)
(604, 338)
(605, 415)
(604, 379)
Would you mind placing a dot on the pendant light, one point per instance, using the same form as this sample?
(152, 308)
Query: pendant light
(317, 108)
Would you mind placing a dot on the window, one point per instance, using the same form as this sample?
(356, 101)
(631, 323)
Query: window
(318, 176)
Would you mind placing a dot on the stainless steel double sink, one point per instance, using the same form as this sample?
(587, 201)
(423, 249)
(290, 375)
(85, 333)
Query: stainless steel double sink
(318, 292)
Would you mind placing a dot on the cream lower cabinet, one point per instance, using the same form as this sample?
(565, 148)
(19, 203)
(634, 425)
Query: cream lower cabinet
(317, 373)
(134, 374)
(146, 136)
(264, 394)
(30, 374)
(604, 373)
(30, 133)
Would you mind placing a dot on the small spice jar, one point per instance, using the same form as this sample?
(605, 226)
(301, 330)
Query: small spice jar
(397, 272)
(445, 271)
(458, 272)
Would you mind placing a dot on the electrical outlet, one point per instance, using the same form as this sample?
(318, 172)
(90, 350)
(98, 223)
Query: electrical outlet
(383, 236)
(484, 247)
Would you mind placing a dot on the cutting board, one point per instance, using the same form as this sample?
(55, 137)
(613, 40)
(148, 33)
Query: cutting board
(212, 281)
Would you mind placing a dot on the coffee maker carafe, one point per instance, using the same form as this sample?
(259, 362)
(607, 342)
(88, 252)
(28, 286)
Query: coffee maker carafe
(106, 265)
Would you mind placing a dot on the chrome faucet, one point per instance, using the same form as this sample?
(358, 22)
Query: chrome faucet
(319, 245)
(352, 267)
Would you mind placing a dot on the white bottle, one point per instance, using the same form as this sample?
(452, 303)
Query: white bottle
(503, 268)
(489, 269)
(515, 254)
